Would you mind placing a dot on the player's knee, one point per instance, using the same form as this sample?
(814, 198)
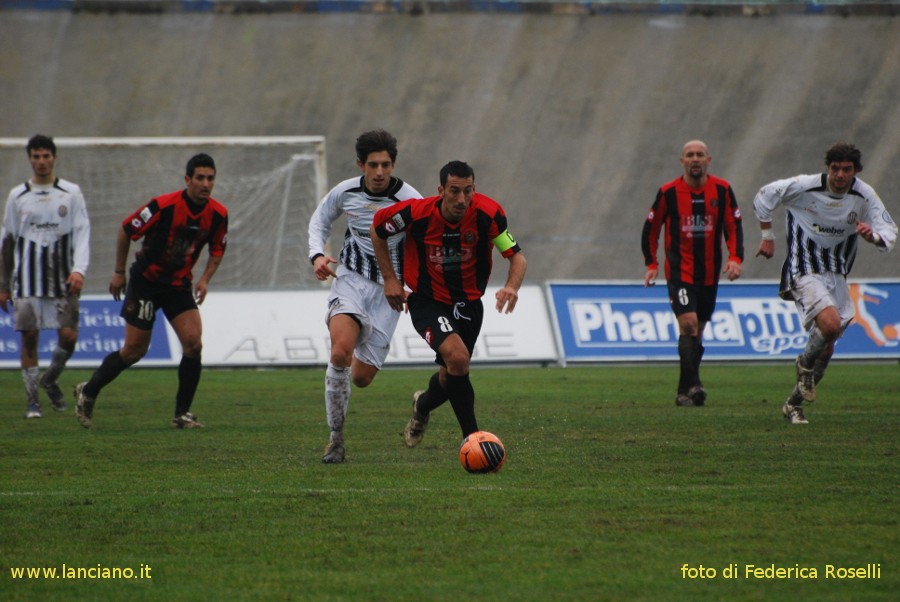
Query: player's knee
(192, 347)
(830, 329)
(340, 358)
(132, 354)
(67, 341)
(363, 380)
(457, 362)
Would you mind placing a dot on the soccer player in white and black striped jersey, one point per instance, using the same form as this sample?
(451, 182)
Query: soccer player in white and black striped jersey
(45, 248)
(360, 321)
(827, 215)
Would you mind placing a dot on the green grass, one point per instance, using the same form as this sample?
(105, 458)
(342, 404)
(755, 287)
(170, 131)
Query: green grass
(608, 490)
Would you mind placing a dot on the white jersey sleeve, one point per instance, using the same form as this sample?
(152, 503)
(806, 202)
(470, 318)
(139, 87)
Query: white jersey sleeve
(52, 232)
(821, 225)
(81, 230)
(351, 199)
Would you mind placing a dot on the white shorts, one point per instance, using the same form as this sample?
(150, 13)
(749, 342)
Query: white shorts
(363, 299)
(46, 313)
(815, 292)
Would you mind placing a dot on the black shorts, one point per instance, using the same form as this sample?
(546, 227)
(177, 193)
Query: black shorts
(436, 321)
(143, 298)
(690, 298)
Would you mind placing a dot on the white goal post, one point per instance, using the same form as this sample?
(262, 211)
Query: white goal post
(269, 184)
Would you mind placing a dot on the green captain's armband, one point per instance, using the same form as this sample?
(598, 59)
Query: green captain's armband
(504, 242)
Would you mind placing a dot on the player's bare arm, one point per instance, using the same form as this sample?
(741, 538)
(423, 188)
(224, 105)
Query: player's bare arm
(650, 276)
(508, 296)
(393, 288)
(117, 282)
(202, 285)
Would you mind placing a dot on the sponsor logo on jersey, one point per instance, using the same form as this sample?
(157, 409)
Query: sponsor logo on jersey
(449, 258)
(363, 233)
(398, 221)
(828, 229)
(45, 226)
(696, 225)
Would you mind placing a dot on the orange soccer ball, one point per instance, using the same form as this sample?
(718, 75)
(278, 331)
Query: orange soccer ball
(482, 452)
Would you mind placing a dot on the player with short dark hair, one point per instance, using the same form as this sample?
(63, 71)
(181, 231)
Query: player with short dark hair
(827, 214)
(175, 227)
(695, 210)
(360, 322)
(447, 263)
(43, 261)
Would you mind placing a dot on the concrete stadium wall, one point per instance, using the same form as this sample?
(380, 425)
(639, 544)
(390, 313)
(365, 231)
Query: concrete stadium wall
(572, 122)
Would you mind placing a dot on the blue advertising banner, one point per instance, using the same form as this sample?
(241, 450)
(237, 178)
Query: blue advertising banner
(628, 322)
(101, 331)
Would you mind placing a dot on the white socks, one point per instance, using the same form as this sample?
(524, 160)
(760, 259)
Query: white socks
(337, 399)
(57, 363)
(30, 378)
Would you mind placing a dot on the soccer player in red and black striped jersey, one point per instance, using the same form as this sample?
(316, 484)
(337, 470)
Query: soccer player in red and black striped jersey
(175, 227)
(449, 242)
(696, 210)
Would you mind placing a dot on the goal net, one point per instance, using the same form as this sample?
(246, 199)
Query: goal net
(270, 186)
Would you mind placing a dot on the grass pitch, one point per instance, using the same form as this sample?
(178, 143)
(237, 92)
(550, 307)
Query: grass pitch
(610, 492)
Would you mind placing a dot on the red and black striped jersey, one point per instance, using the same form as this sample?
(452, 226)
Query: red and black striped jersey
(175, 229)
(444, 261)
(694, 221)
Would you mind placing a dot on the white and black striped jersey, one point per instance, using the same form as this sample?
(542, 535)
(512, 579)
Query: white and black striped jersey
(351, 198)
(51, 232)
(821, 225)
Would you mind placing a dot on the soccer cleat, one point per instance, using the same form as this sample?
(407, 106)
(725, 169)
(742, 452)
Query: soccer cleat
(84, 407)
(57, 398)
(793, 413)
(806, 381)
(684, 401)
(334, 453)
(186, 421)
(415, 428)
(33, 411)
(698, 395)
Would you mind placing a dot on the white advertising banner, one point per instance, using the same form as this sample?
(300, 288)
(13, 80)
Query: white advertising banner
(287, 328)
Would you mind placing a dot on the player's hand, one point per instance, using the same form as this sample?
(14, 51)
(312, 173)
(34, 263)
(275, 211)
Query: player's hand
(732, 270)
(395, 294)
(75, 284)
(4, 300)
(507, 297)
(321, 268)
(200, 290)
(766, 249)
(117, 286)
(868, 234)
(650, 276)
